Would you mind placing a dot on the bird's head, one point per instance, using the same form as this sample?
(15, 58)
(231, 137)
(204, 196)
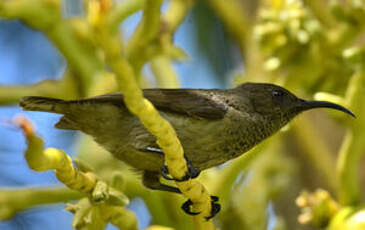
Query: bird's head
(275, 102)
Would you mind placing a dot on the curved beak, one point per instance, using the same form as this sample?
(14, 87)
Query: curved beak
(307, 105)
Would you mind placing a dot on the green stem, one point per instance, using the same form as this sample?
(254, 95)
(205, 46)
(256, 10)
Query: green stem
(82, 59)
(11, 94)
(229, 174)
(321, 10)
(15, 200)
(68, 35)
(161, 66)
(146, 32)
(232, 14)
(165, 74)
(159, 212)
(123, 10)
(316, 150)
(65, 88)
(176, 13)
(352, 148)
(345, 34)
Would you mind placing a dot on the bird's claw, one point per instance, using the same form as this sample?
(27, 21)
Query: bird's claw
(190, 174)
(214, 211)
(216, 207)
(186, 207)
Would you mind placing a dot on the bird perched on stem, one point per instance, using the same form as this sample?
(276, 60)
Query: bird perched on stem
(213, 125)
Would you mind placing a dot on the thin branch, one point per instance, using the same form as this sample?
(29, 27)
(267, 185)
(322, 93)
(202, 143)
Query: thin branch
(123, 10)
(149, 116)
(232, 14)
(165, 74)
(317, 151)
(176, 13)
(16, 200)
(352, 148)
(71, 37)
(321, 10)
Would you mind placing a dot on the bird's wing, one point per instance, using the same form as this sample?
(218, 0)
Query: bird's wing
(192, 102)
(197, 103)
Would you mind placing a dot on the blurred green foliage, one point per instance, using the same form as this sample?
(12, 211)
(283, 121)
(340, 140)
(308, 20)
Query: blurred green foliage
(314, 48)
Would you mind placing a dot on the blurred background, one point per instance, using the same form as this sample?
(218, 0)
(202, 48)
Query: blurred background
(313, 48)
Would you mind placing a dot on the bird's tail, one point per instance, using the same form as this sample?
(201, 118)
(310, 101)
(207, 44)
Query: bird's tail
(43, 104)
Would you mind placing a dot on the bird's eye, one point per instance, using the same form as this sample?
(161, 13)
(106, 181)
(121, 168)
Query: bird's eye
(277, 93)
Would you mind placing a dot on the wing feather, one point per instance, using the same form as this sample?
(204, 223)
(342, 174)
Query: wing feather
(192, 102)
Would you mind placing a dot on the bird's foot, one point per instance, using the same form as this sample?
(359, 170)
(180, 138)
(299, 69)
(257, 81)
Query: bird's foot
(190, 174)
(216, 207)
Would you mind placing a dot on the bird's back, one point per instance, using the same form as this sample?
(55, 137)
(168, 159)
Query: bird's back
(210, 131)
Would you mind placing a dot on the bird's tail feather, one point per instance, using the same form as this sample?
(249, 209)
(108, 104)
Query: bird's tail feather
(43, 104)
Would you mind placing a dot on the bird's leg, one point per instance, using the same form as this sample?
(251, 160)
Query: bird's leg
(192, 171)
(152, 181)
(190, 174)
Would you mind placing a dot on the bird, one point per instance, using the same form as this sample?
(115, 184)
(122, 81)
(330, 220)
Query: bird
(213, 125)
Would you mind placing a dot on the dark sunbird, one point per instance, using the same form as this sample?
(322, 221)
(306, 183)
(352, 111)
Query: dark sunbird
(213, 125)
